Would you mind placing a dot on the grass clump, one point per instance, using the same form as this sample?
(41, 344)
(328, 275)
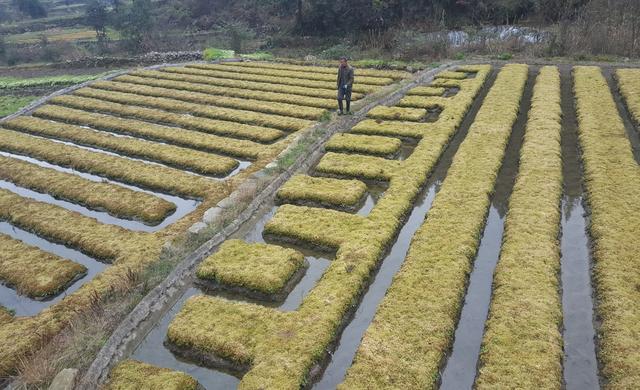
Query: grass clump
(33, 272)
(629, 84)
(303, 101)
(364, 144)
(286, 109)
(135, 375)
(612, 183)
(212, 54)
(426, 91)
(118, 201)
(525, 350)
(259, 267)
(397, 113)
(414, 325)
(328, 192)
(279, 349)
(355, 165)
(6, 315)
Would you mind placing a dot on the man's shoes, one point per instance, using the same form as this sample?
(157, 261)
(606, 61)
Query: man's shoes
(340, 113)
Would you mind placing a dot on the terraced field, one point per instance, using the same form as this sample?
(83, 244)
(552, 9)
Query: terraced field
(475, 231)
(94, 182)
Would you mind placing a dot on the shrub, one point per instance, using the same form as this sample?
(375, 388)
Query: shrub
(212, 54)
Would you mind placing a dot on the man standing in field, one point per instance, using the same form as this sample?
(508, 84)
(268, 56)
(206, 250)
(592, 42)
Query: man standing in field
(345, 83)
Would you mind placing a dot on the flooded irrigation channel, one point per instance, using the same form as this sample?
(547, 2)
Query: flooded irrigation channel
(460, 368)
(580, 362)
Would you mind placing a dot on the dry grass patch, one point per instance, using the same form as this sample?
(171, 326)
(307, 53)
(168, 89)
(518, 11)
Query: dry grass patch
(397, 113)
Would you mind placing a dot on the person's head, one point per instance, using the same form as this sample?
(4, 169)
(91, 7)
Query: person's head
(343, 61)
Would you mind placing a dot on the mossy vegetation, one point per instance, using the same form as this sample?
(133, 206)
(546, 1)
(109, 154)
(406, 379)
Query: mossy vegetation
(116, 200)
(293, 110)
(278, 349)
(251, 85)
(173, 156)
(359, 166)
(526, 350)
(276, 97)
(426, 91)
(33, 272)
(259, 267)
(180, 137)
(364, 144)
(612, 182)
(187, 122)
(135, 375)
(397, 113)
(393, 74)
(301, 189)
(133, 254)
(629, 84)
(116, 168)
(284, 79)
(414, 325)
(290, 73)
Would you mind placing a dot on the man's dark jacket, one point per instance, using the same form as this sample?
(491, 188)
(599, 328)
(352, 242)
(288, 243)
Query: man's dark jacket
(345, 76)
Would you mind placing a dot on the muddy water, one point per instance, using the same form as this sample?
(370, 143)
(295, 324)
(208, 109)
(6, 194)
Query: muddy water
(633, 133)
(349, 341)
(25, 306)
(183, 206)
(461, 366)
(580, 363)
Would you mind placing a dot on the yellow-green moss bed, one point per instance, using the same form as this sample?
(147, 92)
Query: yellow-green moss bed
(33, 272)
(285, 79)
(296, 111)
(258, 267)
(397, 113)
(302, 189)
(364, 144)
(173, 156)
(116, 200)
(252, 85)
(629, 84)
(291, 73)
(612, 184)
(414, 325)
(112, 167)
(135, 375)
(525, 350)
(304, 101)
(224, 128)
(136, 128)
(426, 91)
(393, 74)
(279, 350)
